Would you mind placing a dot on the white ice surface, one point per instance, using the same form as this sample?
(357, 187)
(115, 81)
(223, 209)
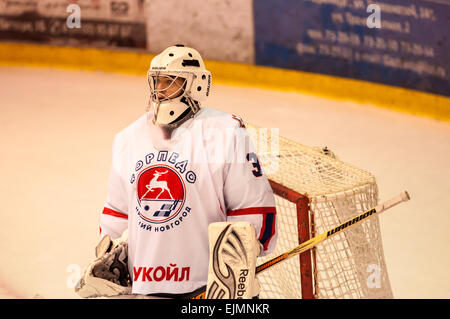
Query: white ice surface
(56, 136)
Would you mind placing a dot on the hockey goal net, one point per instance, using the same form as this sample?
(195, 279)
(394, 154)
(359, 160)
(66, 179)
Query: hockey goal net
(314, 192)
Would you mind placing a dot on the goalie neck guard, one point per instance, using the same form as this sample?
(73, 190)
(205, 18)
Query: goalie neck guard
(178, 82)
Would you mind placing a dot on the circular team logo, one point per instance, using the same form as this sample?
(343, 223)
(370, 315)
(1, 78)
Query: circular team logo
(161, 193)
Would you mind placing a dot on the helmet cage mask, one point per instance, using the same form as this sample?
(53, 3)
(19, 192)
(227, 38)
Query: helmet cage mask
(172, 95)
(170, 88)
(170, 98)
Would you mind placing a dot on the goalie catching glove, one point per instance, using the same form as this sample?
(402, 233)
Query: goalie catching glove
(107, 275)
(232, 261)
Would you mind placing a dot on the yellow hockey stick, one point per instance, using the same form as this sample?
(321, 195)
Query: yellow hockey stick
(402, 197)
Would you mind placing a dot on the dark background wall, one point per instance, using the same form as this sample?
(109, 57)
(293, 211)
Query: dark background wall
(410, 50)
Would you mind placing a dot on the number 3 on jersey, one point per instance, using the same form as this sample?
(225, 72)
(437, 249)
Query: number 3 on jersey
(253, 159)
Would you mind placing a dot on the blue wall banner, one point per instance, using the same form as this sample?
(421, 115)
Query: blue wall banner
(409, 48)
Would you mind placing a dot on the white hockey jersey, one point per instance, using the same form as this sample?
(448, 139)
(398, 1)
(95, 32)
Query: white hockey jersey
(167, 192)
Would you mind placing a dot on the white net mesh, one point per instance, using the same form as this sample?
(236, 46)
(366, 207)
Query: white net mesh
(283, 280)
(350, 264)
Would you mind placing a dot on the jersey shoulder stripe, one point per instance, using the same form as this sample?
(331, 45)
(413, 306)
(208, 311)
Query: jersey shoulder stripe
(219, 119)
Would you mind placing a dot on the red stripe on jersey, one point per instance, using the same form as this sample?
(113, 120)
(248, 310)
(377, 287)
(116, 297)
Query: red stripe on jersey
(109, 211)
(221, 210)
(268, 223)
(252, 210)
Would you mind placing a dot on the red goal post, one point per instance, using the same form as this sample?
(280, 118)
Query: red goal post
(302, 206)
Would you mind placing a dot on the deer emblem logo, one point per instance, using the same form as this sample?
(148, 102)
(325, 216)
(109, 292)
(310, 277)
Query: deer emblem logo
(154, 184)
(160, 193)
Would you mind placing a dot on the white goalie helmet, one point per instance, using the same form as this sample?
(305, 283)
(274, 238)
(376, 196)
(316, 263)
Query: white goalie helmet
(178, 82)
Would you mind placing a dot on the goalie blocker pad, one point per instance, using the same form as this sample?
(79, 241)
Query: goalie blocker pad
(233, 248)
